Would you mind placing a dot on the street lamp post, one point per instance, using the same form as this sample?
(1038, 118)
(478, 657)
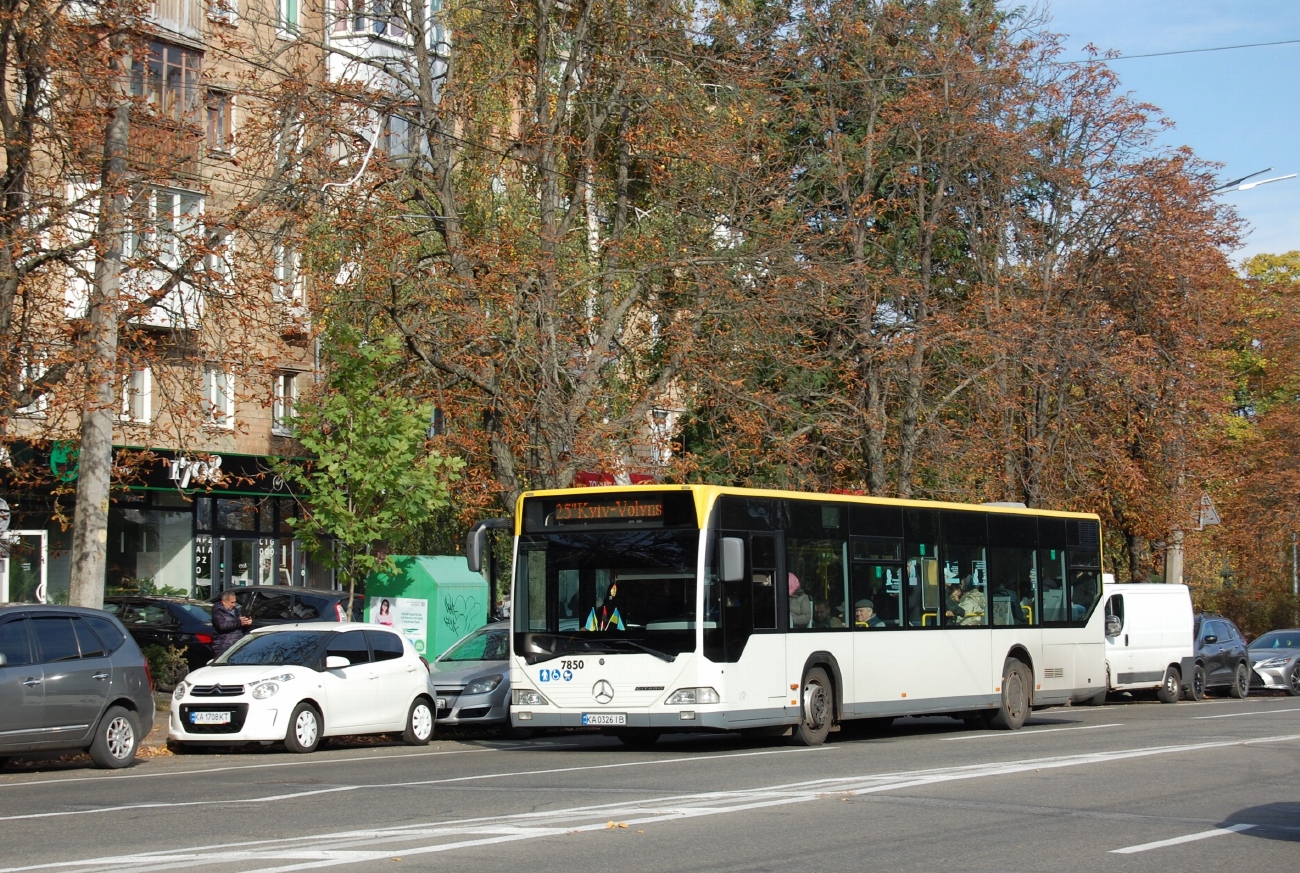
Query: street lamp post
(1242, 185)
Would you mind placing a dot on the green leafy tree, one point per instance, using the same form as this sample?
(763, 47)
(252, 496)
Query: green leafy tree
(372, 475)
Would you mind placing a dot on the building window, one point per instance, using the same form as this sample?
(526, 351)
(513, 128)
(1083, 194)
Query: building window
(31, 369)
(219, 263)
(168, 80)
(284, 409)
(165, 222)
(287, 20)
(289, 287)
(219, 397)
(221, 119)
(379, 17)
(137, 397)
(225, 11)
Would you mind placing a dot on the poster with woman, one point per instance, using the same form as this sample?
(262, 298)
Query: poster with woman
(380, 611)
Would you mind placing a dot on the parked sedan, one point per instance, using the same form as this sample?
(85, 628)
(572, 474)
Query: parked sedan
(170, 622)
(297, 683)
(472, 678)
(1276, 659)
(270, 605)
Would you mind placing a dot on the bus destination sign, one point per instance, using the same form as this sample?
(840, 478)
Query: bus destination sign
(627, 509)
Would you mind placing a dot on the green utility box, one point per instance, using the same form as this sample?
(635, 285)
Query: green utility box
(433, 600)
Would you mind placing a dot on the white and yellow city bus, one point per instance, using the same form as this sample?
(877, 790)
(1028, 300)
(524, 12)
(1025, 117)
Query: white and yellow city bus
(649, 609)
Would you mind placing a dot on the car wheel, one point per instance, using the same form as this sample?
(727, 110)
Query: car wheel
(1171, 688)
(116, 739)
(1293, 680)
(304, 730)
(1014, 710)
(1196, 687)
(1241, 683)
(816, 710)
(419, 723)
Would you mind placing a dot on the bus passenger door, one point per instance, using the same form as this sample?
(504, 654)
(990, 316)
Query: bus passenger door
(753, 645)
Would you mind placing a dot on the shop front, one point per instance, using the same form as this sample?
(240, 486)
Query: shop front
(183, 525)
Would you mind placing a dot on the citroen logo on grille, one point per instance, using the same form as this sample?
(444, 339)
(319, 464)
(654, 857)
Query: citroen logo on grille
(602, 691)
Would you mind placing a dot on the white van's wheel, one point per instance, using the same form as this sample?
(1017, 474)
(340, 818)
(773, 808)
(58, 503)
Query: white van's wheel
(1172, 686)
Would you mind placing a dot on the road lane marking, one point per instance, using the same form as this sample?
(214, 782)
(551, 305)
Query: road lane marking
(389, 785)
(1024, 733)
(319, 851)
(1239, 714)
(203, 771)
(1190, 838)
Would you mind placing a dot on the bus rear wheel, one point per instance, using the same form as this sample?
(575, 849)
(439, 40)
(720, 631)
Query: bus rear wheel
(816, 709)
(1014, 709)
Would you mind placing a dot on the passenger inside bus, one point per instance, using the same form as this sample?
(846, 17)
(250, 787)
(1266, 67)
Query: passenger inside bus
(800, 604)
(823, 617)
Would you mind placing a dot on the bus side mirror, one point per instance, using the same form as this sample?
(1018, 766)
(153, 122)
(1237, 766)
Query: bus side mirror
(476, 540)
(731, 564)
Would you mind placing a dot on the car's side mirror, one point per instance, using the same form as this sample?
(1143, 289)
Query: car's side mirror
(1113, 626)
(336, 662)
(1211, 639)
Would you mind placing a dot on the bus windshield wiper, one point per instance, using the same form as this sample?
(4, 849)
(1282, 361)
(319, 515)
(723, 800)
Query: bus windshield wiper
(663, 656)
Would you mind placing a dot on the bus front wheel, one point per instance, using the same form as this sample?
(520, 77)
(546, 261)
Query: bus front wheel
(816, 710)
(1015, 696)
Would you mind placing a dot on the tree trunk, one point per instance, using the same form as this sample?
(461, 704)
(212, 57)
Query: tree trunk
(90, 522)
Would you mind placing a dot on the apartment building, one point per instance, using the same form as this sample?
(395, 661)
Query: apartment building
(217, 339)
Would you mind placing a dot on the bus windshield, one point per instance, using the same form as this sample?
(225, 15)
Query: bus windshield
(609, 591)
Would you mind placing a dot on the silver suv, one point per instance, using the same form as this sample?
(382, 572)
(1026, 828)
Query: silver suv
(71, 679)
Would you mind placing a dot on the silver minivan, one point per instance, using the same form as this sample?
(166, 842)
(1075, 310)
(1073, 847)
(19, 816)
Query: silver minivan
(71, 679)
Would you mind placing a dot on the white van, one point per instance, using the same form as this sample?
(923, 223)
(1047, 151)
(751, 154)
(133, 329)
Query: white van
(1148, 637)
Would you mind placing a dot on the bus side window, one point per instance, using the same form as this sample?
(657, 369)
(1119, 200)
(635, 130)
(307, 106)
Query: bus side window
(764, 590)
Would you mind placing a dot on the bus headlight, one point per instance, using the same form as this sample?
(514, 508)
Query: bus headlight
(692, 695)
(526, 697)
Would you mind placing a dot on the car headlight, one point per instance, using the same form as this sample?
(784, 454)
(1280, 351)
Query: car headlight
(526, 697)
(692, 695)
(484, 685)
(1273, 662)
(270, 687)
(179, 692)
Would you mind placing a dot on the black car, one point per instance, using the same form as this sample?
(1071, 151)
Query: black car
(71, 679)
(170, 622)
(1221, 658)
(280, 604)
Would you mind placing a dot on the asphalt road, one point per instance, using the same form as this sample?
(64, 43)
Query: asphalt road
(1131, 786)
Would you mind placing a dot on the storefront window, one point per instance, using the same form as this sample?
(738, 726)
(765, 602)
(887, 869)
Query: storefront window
(150, 550)
(237, 514)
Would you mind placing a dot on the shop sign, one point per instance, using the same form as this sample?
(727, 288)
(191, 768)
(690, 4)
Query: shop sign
(183, 470)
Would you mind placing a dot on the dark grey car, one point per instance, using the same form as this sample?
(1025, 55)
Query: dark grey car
(71, 679)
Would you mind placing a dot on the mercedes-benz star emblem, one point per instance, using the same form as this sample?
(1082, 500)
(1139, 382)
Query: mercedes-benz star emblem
(602, 691)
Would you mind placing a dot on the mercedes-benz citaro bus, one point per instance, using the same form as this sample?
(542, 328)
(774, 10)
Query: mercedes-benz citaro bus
(660, 608)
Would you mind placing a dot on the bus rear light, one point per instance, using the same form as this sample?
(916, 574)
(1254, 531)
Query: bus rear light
(692, 695)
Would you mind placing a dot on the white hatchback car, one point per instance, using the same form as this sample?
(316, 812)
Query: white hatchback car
(301, 682)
